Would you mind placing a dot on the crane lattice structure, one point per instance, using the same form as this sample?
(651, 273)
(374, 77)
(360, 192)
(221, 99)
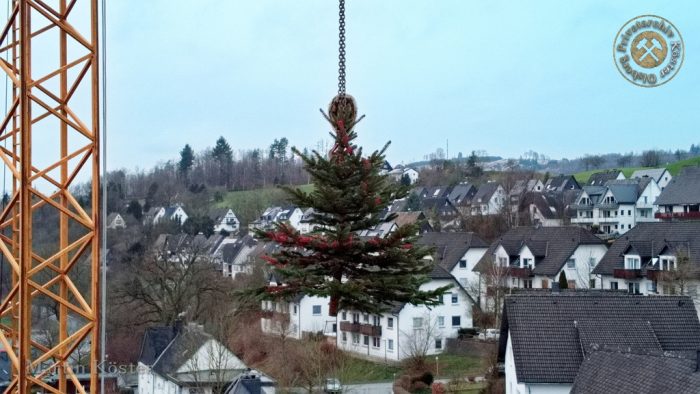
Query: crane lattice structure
(49, 225)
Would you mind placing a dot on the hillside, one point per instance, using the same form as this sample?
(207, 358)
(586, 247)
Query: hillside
(248, 204)
(673, 168)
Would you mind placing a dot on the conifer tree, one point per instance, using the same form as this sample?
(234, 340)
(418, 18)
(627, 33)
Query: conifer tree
(563, 282)
(349, 195)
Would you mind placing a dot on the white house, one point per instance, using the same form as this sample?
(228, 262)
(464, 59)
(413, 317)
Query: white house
(660, 175)
(236, 255)
(225, 219)
(114, 221)
(680, 200)
(184, 360)
(489, 199)
(174, 213)
(535, 257)
(289, 214)
(295, 318)
(407, 330)
(545, 336)
(618, 206)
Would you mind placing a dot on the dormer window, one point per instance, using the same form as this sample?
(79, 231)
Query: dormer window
(632, 263)
(527, 263)
(667, 263)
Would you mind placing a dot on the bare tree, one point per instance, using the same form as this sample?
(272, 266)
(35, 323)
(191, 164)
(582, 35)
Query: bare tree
(494, 279)
(420, 338)
(681, 278)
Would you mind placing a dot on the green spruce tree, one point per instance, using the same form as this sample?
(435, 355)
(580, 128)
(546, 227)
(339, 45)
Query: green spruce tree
(563, 282)
(186, 161)
(349, 196)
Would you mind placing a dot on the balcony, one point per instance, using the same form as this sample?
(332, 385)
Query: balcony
(608, 206)
(349, 327)
(582, 207)
(654, 274)
(677, 215)
(371, 330)
(518, 272)
(622, 273)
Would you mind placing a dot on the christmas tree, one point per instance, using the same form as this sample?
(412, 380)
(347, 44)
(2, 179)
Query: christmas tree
(349, 195)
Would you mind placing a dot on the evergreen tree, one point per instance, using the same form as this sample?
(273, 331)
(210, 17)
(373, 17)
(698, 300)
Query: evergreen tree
(563, 282)
(223, 155)
(135, 210)
(186, 161)
(349, 195)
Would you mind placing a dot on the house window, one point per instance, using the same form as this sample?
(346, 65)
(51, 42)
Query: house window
(441, 321)
(591, 283)
(365, 318)
(365, 340)
(456, 321)
(613, 285)
(632, 263)
(571, 263)
(355, 317)
(455, 298)
(503, 261)
(345, 336)
(545, 283)
(316, 310)
(344, 315)
(295, 309)
(376, 341)
(527, 263)
(629, 212)
(376, 320)
(633, 288)
(438, 343)
(571, 283)
(622, 212)
(335, 327)
(390, 322)
(355, 338)
(629, 226)
(390, 344)
(527, 283)
(668, 264)
(417, 323)
(462, 263)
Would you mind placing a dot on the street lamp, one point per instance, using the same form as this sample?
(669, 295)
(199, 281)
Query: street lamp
(437, 367)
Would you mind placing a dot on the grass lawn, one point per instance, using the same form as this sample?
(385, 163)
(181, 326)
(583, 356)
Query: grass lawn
(249, 204)
(457, 366)
(673, 168)
(358, 370)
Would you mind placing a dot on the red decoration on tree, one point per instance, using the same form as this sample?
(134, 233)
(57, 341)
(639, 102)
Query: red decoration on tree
(406, 246)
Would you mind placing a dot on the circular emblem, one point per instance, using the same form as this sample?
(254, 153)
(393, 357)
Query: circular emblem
(648, 51)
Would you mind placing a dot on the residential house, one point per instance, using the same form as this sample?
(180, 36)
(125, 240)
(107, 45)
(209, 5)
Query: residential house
(237, 257)
(441, 212)
(548, 338)
(490, 199)
(298, 317)
(288, 214)
(680, 200)
(520, 189)
(398, 173)
(461, 196)
(401, 218)
(646, 260)
(252, 382)
(544, 209)
(114, 221)
(184, 359)
(406, 328)
(173, 213)
(535, 257)
(457, 253)
(225, 220)
(617, 206)
(603, 177)
(660, 175)
(561, 183)
(434, 192)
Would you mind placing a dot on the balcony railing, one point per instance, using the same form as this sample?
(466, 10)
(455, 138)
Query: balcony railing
(677, 215)
(349, 326)
(371, 330)
(518, 272)
(582, 207)
(622, 273)
(654, 274)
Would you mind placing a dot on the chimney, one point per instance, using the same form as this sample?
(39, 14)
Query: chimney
(177, 326)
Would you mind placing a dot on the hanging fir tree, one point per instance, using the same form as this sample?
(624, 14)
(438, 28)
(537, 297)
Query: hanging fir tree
(349, 195)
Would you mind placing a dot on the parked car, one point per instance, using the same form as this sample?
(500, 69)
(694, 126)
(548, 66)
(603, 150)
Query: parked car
(490, 334)
(332, 386)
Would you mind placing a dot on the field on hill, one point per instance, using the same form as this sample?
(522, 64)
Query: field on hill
(673, 168)
(248, 204)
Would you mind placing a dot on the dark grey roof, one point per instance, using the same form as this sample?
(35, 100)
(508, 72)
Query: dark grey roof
(606, 372)
(561, 183)
(485, 192)
(230, 251)
(601, 178)
(451, 247)
(250, 382)
(556, 245)
(683, 189)
(625, 193)
(649, 240)
(462, 193)
(546, 342)
(182, 347)
(654, 173)
(155, 340)
(441, 204)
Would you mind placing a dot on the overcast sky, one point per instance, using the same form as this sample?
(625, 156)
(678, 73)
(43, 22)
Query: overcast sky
(501, 76)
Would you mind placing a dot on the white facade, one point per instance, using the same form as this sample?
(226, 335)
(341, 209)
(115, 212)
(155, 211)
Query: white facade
(493, 206)
(413, 329)
(178, 214)
(308, 315)
(463, 271)
(229, 223)
(117, 221)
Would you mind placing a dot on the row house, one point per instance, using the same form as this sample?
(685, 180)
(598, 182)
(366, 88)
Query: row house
(237, 256)
(661, 175)
(297, 317)
(603, 177)
(617, 206)
(490, 199)
(654, 258)
(276, 215)
(680, 200)
(535, 257)
(457, 253)
(407, 329)
(397, 220)
(598, 342)
(441, 212)
(465, 198)
(520, 189)
(561, 183)
(174, 213)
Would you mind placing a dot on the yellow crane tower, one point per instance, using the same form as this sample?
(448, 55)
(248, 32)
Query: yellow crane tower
(50, 222)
